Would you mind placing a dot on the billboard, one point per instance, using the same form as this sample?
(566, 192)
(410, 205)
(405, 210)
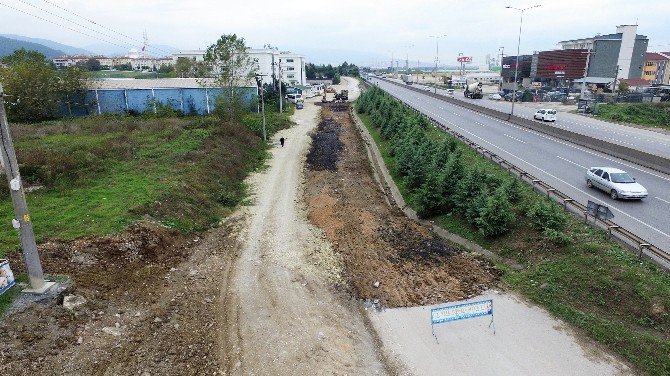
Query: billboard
(464, 59)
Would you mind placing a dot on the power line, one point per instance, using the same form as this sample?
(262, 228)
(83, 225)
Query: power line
(100, 25)
(75, 23)
(57, 24)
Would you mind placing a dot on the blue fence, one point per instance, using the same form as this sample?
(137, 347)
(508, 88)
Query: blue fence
(189, 100)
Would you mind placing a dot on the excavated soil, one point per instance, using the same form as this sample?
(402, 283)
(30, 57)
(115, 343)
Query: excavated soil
(151, 297)
(378, 243)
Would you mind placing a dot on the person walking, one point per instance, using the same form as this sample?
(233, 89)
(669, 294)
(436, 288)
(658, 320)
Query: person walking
(281, 141)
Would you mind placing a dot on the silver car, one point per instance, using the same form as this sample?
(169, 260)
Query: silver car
(615, 182)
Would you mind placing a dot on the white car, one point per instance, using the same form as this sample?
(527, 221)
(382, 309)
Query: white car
(615, 182)
(545, 115)
(427, 88)
(450, 91)
(495, 97)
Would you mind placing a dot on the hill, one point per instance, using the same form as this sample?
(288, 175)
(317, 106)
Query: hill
(8, 46)
(69, 50)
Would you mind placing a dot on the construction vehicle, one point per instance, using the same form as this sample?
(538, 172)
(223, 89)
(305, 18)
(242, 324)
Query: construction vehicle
(474, 91)
(330, 89)
(407, 79)
(342, 95)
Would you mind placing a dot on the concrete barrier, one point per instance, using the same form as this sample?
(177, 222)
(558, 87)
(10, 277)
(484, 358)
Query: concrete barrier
(642, 158)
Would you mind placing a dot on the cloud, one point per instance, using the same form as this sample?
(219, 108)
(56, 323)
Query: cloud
(377, 28)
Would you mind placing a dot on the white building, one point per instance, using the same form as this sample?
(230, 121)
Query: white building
(268, 64)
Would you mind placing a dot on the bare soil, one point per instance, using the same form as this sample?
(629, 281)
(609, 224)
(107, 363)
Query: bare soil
(377, 242)
(151, 296)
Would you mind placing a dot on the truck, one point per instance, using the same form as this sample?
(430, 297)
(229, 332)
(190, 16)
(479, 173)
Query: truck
(473, 91)
(407, 79)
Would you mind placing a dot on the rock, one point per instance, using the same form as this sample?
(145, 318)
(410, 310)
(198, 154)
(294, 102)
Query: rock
(72, 302)
(80, 340)
(112, 330)
(544, 285)
(158, 319)
(376, 284)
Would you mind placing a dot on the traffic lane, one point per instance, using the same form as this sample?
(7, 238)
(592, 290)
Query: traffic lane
(535, 144)
(641, 139)
(534, 156)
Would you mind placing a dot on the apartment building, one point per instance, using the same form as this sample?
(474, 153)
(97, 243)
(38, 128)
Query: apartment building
(657, 68)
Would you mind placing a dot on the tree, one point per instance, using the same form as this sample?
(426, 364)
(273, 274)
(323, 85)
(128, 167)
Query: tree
(336, 79)
(73, 85)
(35, 90)
(91, 65)
(496, 217)
(624, 87)
(31, 85)
(232, 67)
(184, 67)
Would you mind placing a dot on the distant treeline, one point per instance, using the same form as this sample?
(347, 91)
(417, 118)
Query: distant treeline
(316, 72)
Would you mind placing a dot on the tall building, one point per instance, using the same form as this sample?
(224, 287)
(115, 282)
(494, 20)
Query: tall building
(613, 56)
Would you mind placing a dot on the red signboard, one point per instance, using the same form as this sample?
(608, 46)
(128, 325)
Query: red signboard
(464, 59)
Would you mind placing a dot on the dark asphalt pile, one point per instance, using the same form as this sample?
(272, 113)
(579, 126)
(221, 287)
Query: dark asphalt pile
(326, 146)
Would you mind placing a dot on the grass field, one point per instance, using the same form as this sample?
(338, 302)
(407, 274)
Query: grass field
(100, 174)
(655, 115)
(582, 278)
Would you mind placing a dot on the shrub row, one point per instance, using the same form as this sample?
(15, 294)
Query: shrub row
(440, 181)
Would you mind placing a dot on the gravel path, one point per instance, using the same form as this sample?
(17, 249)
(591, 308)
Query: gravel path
(284, 316)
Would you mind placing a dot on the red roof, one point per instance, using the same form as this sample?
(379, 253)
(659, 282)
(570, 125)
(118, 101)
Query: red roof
(656, 56)
(635, 81)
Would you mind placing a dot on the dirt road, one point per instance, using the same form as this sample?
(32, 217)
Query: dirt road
(282, 314)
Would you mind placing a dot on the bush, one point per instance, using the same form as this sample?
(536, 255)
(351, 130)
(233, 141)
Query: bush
(496, 217)
(546, 214)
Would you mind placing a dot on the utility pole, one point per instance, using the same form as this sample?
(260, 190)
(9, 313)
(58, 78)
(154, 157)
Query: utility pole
(259, 82)
(22, 222)
(502, 55)
(281, 99)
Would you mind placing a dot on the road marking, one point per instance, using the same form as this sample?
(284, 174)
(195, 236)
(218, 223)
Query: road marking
(581, 148)
(578, 165)
(563, 181)
(658, 198)
(514, 138)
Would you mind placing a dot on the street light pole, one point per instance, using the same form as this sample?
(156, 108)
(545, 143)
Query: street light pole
(437, 55)
(518, 51)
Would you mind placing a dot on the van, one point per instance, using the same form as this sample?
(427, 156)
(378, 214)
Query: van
(294, 98)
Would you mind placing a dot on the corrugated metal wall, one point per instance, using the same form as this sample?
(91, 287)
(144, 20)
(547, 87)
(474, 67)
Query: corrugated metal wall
(191, 101)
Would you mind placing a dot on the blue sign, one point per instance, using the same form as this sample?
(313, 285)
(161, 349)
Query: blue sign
(461, 311)
(6, 276)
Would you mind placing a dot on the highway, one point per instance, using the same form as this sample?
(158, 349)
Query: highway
(556, 162)
(645, 140)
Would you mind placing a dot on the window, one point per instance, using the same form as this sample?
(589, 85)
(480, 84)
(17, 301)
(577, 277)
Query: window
(598, 172)
(289, 60)
(290, 76)
(606, 176)
(649, 63)
(290, 68)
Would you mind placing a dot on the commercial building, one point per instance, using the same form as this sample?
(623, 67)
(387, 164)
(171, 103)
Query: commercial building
(613, 56)
(558, 68)
(657, 68)
(508, 71)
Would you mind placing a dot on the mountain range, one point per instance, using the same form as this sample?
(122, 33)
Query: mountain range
(11, 42)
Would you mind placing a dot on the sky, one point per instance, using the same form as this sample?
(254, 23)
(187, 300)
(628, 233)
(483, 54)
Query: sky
(359, 31)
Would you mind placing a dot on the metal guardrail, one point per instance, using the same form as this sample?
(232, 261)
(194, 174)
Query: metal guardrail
(641, 246)
(642, 158)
